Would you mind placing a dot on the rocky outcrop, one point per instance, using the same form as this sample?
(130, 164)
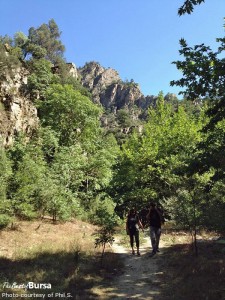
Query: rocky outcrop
(72, 69)
(17, 112)
(145, 102)
(97, 79)
(109, 90)
(120, 95)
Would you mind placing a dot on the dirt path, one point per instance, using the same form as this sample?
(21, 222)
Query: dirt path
(141, 275)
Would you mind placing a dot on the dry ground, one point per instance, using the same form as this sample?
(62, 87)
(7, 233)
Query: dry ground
(65, 256)
(30, 237)
(173, 274)
(140, 278)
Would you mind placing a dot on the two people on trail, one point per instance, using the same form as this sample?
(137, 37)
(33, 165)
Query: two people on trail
(133, 224)
(154, 218)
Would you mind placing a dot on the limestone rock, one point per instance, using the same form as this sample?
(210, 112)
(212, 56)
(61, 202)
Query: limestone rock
(72, 70)
(108, 89)
(17, 112)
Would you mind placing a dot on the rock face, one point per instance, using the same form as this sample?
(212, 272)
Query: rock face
(97, 79)
(17, 112)
(117, 97)
(109, 90)
(72, 70)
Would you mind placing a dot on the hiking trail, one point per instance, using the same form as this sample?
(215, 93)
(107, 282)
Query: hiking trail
(140, 277)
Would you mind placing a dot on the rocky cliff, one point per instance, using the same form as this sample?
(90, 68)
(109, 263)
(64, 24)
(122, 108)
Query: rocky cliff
(109, 90)
(17, 112)
(125, 105)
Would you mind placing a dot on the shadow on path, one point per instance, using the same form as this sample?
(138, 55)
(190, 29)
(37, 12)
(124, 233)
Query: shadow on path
(140, 278)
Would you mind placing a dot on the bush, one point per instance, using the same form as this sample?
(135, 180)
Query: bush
(4, 220)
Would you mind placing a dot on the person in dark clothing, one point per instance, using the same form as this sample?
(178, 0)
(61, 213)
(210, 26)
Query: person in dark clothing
(133, 224)
(155, 220)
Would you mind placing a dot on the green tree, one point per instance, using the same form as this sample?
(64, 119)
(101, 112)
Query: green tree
(36, 51)
(105, 235)
(203, 75)
(58, 200)
(47, 37)
(27, 183)
(68, 166)
(49, 143)
(40, 79)
(187, 206)
(213, 209)
(21, 41)
(203, 71)
(46, 177)
(69, 113)
(124, 118)
(149, 166)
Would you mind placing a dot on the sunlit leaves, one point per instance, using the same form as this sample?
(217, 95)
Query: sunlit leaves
(152, 165)
(69, 113)
(47, 37)
(40, 79)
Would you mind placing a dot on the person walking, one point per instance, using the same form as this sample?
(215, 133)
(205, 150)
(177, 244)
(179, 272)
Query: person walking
(133, 224)
(155, 220)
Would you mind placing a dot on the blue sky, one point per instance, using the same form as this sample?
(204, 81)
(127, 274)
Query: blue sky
(138, 38)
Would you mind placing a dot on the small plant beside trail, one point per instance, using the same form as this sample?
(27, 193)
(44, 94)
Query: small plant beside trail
(105, 235)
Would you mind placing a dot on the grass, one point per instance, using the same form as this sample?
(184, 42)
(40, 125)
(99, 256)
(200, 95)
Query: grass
(2, 107)
(186, 276)
(62, 255)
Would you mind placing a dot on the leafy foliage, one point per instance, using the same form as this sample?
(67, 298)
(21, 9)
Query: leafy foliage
(188, 6)
(105, 236)
(5, 173)
(149, 165)
(40, 79)
(47, 37)
(203, 71)
(69, 113)
(203, 76)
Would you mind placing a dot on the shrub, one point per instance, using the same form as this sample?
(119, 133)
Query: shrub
(4, 220)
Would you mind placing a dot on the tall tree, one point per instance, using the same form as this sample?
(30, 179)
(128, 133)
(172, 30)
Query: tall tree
(69, 113)
(204, 76)
(40, 78)
(149, 165)
(47, 37)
